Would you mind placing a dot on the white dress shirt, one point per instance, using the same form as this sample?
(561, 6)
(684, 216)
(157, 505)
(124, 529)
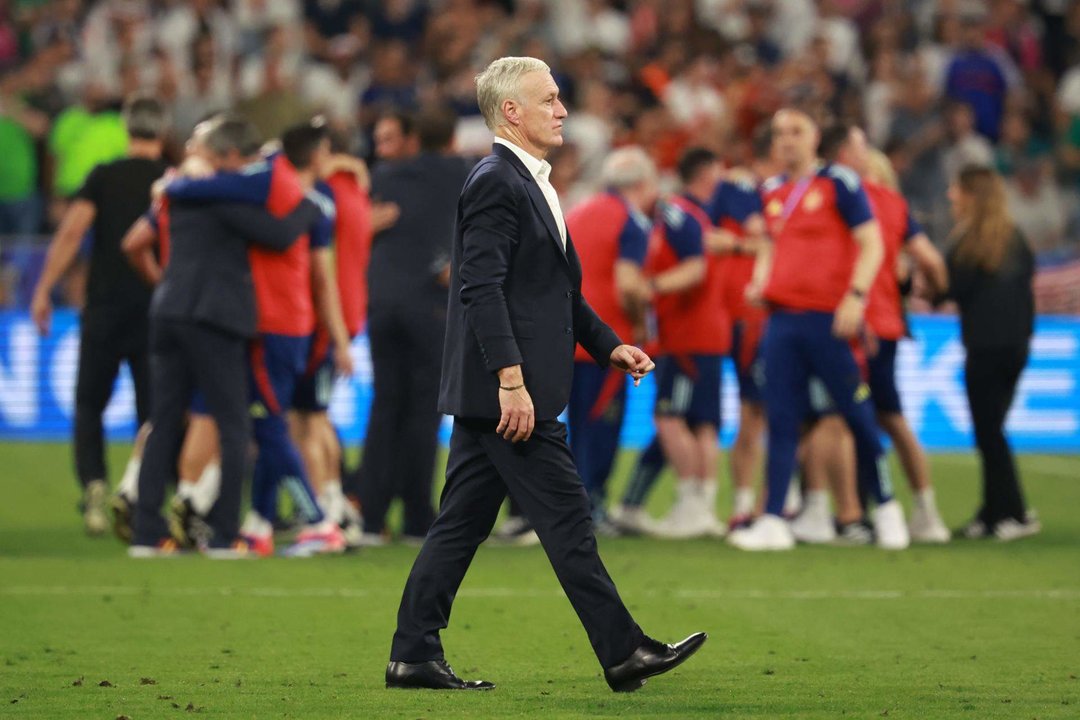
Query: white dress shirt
(541, 172)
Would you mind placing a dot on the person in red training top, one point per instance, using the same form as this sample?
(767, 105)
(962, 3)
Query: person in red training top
(886, 325)
(826, 252)
(611, 232)
(347, 183)
(287, 304)
(735, 208)
(694, 334)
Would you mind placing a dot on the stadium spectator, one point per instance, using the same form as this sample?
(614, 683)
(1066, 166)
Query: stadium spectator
(1037, 206)
(114, 319)
(990, 272)
(979, 76)
(966, 146)
(407, 285)
(20, 201)
(395, 136)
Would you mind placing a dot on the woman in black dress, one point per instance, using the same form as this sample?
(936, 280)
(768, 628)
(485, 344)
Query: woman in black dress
(990, 274)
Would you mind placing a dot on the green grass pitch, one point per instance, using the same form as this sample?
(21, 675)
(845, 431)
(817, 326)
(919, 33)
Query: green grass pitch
(973, 630)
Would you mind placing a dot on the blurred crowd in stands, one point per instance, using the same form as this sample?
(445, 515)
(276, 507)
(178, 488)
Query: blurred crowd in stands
(937, 83)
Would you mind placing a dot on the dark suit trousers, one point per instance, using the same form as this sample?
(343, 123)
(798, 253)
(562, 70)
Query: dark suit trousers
(540, 474)
(990, 376)
(186, 356)
(108, 337)
(403, 430)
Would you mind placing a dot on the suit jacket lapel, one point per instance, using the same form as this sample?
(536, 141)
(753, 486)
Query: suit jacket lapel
(540, 202)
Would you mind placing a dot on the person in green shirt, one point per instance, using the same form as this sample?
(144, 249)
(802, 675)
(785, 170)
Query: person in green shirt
(20, 202)
(82, 137)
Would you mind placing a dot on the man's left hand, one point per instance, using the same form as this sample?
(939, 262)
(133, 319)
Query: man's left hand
(632, 360)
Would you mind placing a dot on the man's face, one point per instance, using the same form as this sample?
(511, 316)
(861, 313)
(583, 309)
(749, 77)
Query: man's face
(540, 113)
(795, 139)
(391, 143)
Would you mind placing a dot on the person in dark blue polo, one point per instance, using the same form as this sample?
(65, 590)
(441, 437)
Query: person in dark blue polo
(407, 280)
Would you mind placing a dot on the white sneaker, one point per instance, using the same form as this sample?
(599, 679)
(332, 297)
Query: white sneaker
(714, 527)
(889, 528)
(768, 532)
(632, 519)
(1009, 529)
(814, 526)
(95, 518)
(926, 526)
(686, 519)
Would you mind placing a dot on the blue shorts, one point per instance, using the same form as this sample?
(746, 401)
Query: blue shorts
(315, 386)
(688, 386)
(746, 354)
(882, 378)
(276, 362)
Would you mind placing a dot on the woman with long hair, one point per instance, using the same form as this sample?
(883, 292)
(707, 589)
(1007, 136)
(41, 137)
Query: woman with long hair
(990, 274)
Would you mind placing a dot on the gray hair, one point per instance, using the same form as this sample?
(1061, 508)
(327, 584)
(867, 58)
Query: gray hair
(232, 132)
(500, 81)
(627, 167)
(145, 118)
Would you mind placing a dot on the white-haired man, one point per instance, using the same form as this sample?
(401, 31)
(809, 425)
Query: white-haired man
(611, 234)
(514, 315)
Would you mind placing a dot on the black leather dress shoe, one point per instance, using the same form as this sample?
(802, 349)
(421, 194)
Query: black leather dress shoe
(430, 675)
(651, 658)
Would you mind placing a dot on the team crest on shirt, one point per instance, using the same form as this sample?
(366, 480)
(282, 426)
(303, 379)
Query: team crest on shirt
(774, 208)
(813, 201)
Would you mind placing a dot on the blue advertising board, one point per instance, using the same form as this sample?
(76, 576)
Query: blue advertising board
(37, 383)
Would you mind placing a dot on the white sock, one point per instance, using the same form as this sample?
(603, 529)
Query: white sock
(926, 500)
(185, 488)
(129, 483)
(709, 490)
(332, 500)
(793, 501)
(744, 501)
(256, 525)
(205, 492)
(816, 501)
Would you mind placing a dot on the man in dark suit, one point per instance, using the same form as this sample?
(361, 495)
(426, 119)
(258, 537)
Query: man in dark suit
(407, 279)
(202, 314)
(515, 314)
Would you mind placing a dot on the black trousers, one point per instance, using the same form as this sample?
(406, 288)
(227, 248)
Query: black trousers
(108, 336)
(186, 356)
(403, 429)
(540, 474)
(990, 376)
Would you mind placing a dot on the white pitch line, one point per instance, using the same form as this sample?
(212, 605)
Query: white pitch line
(507, 592)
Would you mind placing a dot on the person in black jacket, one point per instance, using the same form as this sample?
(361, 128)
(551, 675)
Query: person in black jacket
(990, 274)
(202, 315)
(515, 313)
(407, 280)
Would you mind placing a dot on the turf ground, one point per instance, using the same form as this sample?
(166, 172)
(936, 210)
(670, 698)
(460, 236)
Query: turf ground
(972, 630)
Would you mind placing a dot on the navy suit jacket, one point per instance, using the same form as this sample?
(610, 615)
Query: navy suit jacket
(515, 296)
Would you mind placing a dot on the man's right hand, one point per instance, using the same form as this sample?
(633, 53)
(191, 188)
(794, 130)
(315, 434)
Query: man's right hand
(41, 312)
(518, 416)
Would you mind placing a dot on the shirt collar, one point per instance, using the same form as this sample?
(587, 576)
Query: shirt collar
(539, 169)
